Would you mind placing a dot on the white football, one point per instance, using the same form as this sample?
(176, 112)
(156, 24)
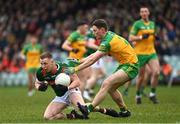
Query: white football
(63, 79)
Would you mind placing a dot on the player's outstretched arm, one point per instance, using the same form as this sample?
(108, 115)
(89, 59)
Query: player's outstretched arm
(90, 60)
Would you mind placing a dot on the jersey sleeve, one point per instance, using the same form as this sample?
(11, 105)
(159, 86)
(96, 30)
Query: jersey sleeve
(39, 75)
(134, 29)
(41, 49)
(104, 47)
(72, 37)
(24, 50)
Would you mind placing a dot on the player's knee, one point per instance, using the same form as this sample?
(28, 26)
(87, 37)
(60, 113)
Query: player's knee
(140, 79)
(106, 85)
(156, 73)
(111, 90)
(48, 116)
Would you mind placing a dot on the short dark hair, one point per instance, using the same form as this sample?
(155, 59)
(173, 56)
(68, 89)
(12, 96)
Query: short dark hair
(100, 23)
(46, 55)
(81, 22)
(144, 6)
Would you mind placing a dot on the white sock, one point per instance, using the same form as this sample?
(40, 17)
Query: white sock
(152, 94)
(138, 96)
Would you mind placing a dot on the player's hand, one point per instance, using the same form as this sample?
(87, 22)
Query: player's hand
(69, 70)
(43, 87)
(75, 50)
(145, 36)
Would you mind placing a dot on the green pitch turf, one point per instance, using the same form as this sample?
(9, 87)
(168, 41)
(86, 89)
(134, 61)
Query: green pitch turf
(17, 107)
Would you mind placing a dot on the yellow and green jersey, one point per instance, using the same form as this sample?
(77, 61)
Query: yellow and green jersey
(145, 46)
(32, 53)
(77, 41)
(119, 48)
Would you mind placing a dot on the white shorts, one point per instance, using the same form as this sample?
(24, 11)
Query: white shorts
(98, 64)
(65, 98)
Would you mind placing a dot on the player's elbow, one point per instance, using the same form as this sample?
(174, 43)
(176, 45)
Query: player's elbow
(64, 46)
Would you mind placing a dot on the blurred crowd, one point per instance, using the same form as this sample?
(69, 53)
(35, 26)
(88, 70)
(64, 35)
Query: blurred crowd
(53, 20)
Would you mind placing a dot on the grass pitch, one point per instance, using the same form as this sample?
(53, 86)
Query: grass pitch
(17, 107)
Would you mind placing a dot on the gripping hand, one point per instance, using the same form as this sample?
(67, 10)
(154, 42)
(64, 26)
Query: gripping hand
(73, 62)
(70, 70)
(43, 87)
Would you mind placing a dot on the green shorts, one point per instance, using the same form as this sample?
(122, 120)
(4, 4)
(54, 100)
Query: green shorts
(32, 70)
(130, 69)
(144, 59)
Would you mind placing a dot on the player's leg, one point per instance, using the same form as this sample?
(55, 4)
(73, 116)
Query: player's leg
(83, 76)
(92, 80)
(155, 69)
(146, 79)
(139, 83)
(55, 108)
(54, 111)
(126, 88)
(113, 81)
(123, 74)
(118, 99)
(31, 74)
(119, 77)
(90, 83)
(96, 73)
(75, 97)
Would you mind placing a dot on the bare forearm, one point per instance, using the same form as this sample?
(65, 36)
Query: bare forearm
(66, 46)
(84, 59)
(73, 85)
(89, 61)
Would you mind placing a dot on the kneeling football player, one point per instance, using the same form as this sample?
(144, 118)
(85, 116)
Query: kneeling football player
(65, 95)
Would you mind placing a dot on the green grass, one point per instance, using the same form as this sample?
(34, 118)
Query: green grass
(16, 107)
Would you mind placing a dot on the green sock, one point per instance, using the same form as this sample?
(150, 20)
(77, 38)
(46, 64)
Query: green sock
(138, 92)
(123, 109)
(90, 107)
(153, 90)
